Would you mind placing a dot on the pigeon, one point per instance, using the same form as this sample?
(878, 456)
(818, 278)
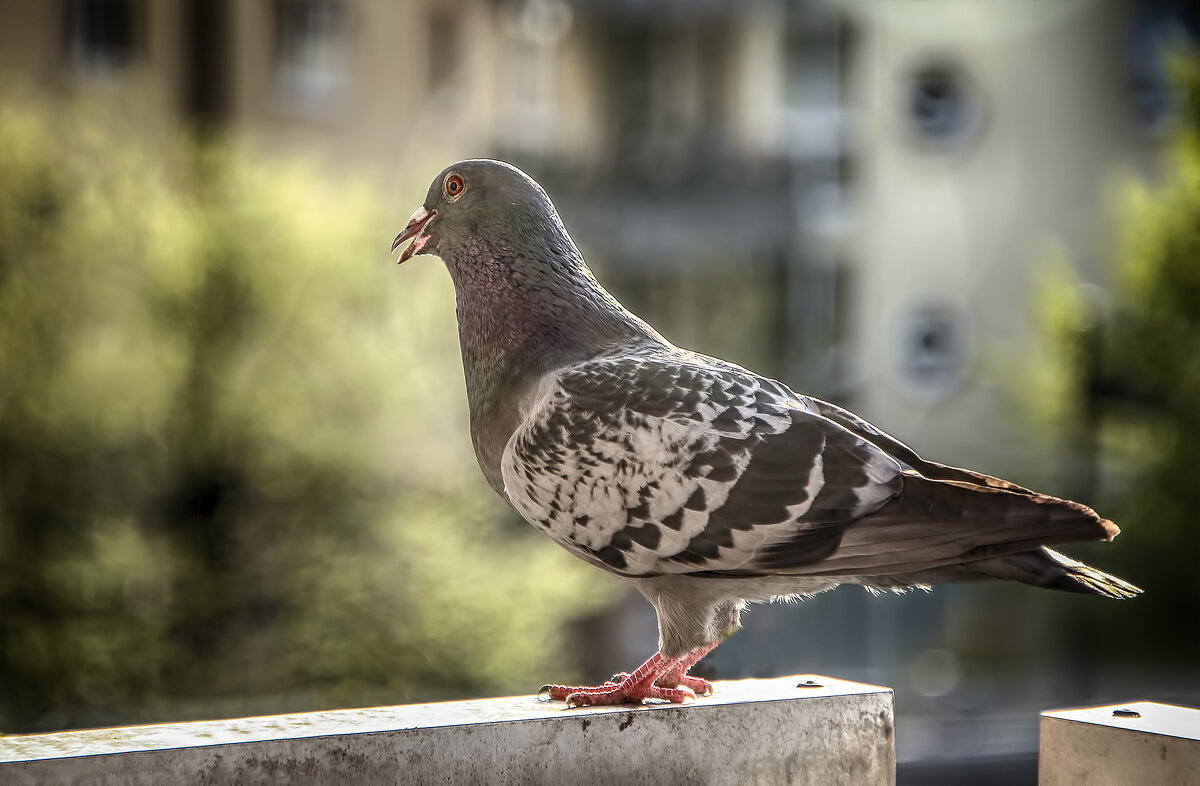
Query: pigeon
(704, 485)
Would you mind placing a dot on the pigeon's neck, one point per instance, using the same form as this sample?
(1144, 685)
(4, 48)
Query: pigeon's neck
(513, 330)
(517, 321)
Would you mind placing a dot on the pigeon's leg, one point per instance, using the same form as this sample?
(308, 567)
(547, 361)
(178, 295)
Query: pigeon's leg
(678, 677)
(659, 678)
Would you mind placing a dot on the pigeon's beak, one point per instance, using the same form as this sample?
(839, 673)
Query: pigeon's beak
(414, 229)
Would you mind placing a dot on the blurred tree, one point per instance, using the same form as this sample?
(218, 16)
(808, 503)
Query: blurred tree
(234, 471)
(1130, 383)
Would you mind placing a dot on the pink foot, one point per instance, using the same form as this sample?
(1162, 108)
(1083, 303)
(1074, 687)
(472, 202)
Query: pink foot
(660, 678)
(696, 685)
(626, 692)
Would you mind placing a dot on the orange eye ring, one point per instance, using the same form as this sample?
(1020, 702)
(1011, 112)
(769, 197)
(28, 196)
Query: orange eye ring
(453, 186)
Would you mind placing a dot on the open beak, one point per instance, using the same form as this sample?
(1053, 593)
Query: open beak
(414, 229)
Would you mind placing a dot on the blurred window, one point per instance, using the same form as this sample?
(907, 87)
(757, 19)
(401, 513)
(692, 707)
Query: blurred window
(665, 96)
(311, 50)
(536, 30)
(445, 47)
(942, 106)
(1158, 29)
(934, 350)
(103, 35)
(816, 51)
(936, 103)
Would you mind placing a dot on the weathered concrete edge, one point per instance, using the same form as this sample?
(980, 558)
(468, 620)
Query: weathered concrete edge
(1167, 720)
(832, 737)
(131, 739)
(1092, 746)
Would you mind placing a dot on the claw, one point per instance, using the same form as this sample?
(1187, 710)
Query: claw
(696, 685)
(554, 692)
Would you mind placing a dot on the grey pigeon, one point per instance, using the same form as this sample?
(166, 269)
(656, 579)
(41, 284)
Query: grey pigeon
(703, 484)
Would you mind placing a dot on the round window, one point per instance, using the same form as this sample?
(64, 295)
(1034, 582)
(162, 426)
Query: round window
(942, 108)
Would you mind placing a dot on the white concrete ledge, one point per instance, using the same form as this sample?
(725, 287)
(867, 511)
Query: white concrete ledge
(1137, 743)
(750, 731)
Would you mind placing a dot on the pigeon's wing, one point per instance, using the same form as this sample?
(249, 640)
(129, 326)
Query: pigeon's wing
(651, 465)
(661, 465)
(906, 455)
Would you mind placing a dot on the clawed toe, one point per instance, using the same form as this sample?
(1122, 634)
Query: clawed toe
(696, 685)
(554, 692)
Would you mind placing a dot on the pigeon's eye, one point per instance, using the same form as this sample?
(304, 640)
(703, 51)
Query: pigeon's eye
(454, 186)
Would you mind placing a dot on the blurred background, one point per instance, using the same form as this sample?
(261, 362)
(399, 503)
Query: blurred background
(235, 475)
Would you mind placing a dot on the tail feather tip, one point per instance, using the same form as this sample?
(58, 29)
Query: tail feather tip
(1096, 582)
(1111, 530)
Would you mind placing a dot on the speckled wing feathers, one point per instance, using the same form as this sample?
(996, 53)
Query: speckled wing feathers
(668, 463)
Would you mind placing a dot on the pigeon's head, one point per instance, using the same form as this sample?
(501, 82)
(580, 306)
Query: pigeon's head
(479, 201)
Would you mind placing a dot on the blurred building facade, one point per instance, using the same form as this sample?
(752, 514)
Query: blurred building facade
(848, 196)
(886, 182)
(992, 136)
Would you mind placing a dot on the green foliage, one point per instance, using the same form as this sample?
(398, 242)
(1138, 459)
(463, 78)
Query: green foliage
(1138, 362)
(233, 480)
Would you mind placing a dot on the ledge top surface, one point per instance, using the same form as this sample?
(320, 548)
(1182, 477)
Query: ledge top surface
(1170, 720)
(406, 717)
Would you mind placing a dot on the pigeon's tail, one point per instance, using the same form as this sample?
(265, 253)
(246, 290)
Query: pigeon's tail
(1047, 568)
(956, 531)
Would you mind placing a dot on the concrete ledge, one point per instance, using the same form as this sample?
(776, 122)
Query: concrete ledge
(1141, 742)
(760, 731)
